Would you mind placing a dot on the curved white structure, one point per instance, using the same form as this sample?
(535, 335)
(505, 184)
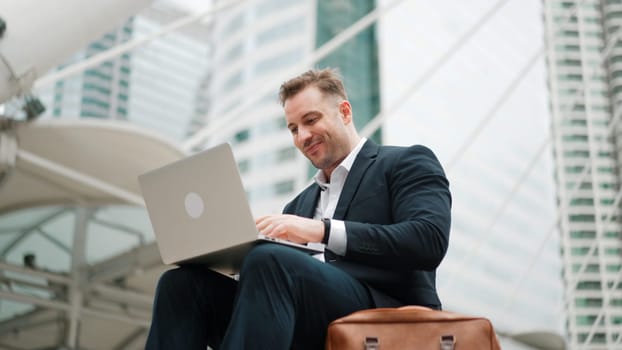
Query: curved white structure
(41, 34)
(82, 161)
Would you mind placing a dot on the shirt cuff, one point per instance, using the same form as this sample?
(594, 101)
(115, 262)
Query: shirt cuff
(337, 240)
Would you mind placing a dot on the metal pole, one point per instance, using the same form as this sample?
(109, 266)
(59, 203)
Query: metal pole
(78, 267)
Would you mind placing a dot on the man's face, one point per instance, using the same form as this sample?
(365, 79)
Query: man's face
(318, 126)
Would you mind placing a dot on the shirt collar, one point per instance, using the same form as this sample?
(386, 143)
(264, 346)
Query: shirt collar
(346, 164)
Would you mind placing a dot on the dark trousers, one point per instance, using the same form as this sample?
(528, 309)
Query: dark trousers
(285, 299)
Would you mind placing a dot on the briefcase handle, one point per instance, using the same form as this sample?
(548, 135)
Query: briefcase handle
(447, 342)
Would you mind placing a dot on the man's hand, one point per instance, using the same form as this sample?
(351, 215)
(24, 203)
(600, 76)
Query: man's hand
(291, 227)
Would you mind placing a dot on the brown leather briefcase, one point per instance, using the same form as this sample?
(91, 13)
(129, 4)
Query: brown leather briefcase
(410, 327)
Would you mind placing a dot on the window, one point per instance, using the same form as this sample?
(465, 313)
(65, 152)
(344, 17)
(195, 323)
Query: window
(588, 268)
(575, 169)
(241, 136)
(569, 62)
(585, 320)
(574, 138)
(583, 234)
(584, 185)
(101, 89)
(566, 47)
(576, 154)
(615, 302)
(610, 285)
(96, 102)
(570, 33)
(579, 251)
(588, 302)
(575, 122)
(597, 338)
(606, 170)
(605, 154)
(582, 201)
(588, 285)
(606, 185)
(570, 77)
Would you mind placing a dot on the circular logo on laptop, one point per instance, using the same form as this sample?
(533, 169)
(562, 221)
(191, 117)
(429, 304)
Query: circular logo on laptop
(194, 205)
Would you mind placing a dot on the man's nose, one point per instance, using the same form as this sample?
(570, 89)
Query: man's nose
(303, 133)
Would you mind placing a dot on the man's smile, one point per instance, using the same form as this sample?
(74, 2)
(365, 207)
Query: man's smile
(312, 147)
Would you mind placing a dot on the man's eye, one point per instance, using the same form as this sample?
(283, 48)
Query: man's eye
(293, 130)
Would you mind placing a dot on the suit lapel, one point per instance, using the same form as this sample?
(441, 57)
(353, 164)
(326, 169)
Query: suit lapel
(309, 201)
(363, 160)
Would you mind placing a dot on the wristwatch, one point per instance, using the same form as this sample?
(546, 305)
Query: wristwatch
(326, 222)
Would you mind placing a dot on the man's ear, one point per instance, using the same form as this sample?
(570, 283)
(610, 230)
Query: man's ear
(346, 111)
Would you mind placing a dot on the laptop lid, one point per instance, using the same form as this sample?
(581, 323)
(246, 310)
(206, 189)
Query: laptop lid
(200, 213)
(198, 205)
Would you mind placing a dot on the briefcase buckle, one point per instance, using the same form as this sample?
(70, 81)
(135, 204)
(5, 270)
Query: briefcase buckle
(371, 343)
(448, 342)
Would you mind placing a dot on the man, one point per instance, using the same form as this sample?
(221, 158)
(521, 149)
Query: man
(383, 213)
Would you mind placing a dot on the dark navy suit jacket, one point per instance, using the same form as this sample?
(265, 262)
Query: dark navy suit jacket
(396, 206)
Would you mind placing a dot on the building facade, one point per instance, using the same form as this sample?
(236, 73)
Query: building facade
(257, 46)
(159, 85)
(584, 58)
(99, 92)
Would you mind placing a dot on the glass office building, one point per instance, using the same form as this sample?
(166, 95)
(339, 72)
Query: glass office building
(159, 85)
(257, 46)
(99, 92)
(357, 59)
(584, 56)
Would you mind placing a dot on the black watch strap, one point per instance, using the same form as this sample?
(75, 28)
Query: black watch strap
(326, 222)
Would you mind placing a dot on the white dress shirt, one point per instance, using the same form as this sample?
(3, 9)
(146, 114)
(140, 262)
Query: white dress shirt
(329, 196)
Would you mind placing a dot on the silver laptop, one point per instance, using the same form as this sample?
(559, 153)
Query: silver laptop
(200, 213)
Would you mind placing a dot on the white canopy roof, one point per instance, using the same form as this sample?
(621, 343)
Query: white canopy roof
(81, 161)
(64, 175)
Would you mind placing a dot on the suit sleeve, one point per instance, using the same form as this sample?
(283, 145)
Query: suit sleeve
(417, 236)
